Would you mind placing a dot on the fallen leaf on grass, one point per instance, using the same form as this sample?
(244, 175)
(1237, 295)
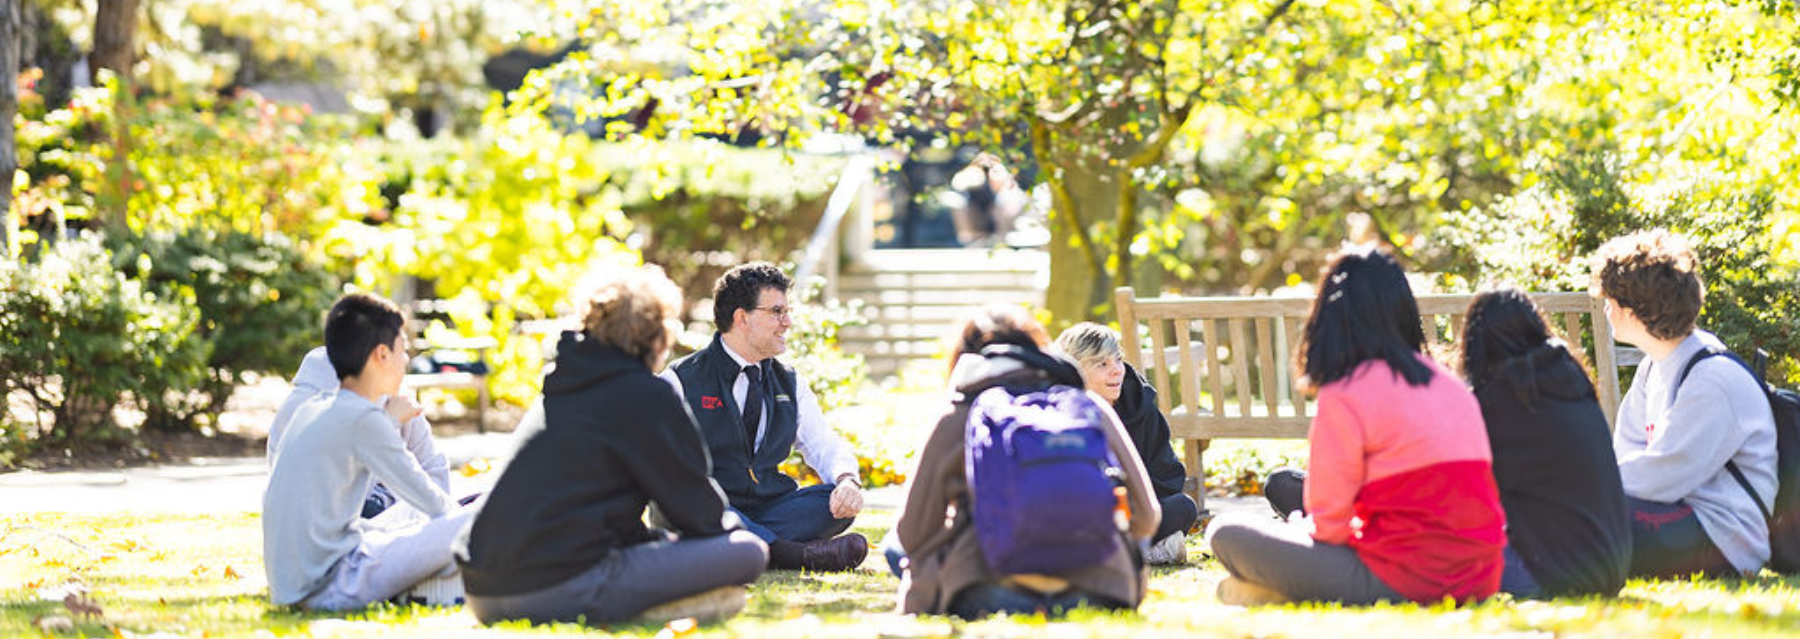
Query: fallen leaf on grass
(678, 628)
(475, 467)
(232, 574)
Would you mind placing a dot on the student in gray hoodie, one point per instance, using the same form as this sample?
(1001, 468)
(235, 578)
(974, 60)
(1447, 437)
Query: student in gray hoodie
(1673, 438)
(317, 552)
(315, 384)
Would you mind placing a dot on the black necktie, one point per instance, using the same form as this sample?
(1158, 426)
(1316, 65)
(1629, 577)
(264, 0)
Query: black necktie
(753, 403)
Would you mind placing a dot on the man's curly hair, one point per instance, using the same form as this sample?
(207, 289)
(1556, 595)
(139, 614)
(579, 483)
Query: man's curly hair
(1656, 275)
(741, 286)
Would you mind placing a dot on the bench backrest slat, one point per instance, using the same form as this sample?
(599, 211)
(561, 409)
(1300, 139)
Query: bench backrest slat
(1190, 380)
(1244, 348)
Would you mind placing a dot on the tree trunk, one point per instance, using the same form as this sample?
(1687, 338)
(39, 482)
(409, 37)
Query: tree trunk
(9, 105)
(1080, 283)
(115, 30)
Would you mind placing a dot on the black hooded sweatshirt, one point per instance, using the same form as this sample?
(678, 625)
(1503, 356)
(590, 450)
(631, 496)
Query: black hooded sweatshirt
(615, 438)
(1149, 431)
(1559, 481)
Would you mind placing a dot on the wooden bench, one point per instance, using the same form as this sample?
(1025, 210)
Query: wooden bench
(1231, 360)
(456, 379)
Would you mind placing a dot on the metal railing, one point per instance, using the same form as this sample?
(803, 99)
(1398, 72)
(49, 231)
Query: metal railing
(821, 254)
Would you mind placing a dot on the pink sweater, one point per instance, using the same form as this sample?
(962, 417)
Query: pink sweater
(1403, 475)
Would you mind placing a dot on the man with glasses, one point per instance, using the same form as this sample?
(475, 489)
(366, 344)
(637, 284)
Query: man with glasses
(753, 411)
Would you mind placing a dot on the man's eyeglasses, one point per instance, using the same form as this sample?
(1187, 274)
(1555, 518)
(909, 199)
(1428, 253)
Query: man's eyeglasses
(780, 312)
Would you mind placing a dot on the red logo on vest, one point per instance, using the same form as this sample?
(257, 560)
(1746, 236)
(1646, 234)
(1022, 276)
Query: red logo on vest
(710, 403)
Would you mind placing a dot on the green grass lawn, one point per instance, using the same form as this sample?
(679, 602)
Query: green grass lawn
(201, 576)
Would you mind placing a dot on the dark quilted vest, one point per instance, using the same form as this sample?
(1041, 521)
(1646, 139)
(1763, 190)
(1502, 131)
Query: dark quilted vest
(748, 480)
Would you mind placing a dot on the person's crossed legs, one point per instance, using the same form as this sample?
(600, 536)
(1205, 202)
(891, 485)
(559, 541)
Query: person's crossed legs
(802, 533)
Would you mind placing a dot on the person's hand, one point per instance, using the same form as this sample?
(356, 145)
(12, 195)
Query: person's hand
(846, 499)
(401, 408)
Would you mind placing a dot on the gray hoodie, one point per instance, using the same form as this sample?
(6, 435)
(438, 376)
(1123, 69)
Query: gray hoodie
(316, 384)
(318, 477)
(1672, 447)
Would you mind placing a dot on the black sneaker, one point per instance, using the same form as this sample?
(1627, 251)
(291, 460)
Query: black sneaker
(837, 554)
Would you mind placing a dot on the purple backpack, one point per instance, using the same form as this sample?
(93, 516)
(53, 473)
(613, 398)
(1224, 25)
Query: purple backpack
(1038, 471)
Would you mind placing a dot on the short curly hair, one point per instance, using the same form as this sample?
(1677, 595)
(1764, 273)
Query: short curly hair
(741, 286)
(637, 311)
(1656, 275)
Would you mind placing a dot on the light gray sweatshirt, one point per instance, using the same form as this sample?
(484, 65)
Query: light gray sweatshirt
(1672, 447)
(316, 384)
(320, 473)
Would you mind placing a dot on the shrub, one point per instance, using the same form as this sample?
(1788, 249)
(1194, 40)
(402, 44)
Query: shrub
(504, 225)
(812, 340)
(1239, 467)
(259, 301)
(1541, 239)
(77, 338)
(241, 163)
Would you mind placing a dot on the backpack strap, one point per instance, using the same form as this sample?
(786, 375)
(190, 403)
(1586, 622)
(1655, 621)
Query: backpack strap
(1739, 476)
(1730, 465)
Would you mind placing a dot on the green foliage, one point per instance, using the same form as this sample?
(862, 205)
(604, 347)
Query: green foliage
(392, 57)
(812, 341)
(259, 300)
(1239, 467)
(837, 379)
(506, 224)
(1223, 143)
(246, 165)
(699, 207)
(1541, 239)
(60, 166)
(78, 338)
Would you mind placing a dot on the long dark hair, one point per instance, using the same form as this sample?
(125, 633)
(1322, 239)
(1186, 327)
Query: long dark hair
(1501, 324)
(1364, 310)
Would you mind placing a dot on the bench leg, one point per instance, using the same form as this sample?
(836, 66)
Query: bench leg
(1196, 482)
(481, 404)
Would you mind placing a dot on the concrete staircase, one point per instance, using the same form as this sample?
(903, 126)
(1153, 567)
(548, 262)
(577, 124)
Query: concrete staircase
(916, 298)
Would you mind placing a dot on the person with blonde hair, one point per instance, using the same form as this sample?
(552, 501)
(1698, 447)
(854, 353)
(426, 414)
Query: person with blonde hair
(562, 537)
(1095, 348)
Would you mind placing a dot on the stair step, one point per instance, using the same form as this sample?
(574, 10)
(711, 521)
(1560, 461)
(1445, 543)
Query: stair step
(915, 299)
(880, 331)
(951, 260)
(937, 281)
(969, 298)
